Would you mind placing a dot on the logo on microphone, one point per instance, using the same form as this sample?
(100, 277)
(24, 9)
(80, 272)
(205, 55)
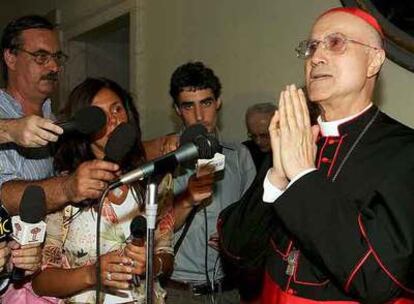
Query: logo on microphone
(35, 231)
(5, 224)
(17, 229)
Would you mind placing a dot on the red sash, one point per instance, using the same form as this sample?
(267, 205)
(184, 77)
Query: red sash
(272, 294)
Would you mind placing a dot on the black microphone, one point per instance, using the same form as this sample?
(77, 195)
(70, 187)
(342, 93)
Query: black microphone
(200, 146)
(88, 120)
(138, 229)
(28, 226)
(120, 142)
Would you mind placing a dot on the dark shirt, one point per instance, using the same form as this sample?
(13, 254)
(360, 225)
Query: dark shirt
(350, 237)
(257, 155)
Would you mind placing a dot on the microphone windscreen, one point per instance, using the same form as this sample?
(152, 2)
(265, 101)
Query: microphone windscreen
(207, 145)
(33, 205)
(89, 120)
(120, 142)
(5, 224)
(191, 133)
(138, 227)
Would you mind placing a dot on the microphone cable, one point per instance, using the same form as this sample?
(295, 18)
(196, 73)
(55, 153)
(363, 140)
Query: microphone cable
(98, 246)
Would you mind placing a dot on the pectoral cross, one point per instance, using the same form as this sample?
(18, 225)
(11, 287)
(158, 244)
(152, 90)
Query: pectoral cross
(292, 261)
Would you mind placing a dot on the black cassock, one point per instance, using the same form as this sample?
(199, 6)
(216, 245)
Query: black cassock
(342, 233)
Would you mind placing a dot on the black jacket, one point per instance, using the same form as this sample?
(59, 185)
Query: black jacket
(354, 236)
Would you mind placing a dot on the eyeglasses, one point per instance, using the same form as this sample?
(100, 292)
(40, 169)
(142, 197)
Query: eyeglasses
(335, 43)
(43, 57)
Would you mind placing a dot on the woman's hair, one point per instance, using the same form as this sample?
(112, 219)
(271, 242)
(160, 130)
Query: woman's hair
(74, 149)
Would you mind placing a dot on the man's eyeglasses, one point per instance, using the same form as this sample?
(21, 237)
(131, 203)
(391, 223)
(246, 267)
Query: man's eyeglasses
(335, 43)
(43, 57)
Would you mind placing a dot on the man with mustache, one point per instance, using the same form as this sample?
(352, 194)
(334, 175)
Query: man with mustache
(30, 66)
(333, 220)
(31, 62)
(25, 111)
(32, 59)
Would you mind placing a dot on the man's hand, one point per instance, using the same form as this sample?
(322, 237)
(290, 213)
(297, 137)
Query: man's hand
(89, 180)
(214, 241)
(170, 143)
(27, 257)
(297, 138)
(31, 131)
(161, 145)
(200, 186)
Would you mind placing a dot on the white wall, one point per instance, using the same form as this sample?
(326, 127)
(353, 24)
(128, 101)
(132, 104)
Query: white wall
(250, 44)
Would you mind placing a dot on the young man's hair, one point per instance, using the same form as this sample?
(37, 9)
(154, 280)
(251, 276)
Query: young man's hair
(11, 38)
(194, 76)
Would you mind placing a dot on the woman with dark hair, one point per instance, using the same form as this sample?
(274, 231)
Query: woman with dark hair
(69, 252)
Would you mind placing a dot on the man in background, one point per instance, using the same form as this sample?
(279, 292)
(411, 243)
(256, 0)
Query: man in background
(258, 117)
(198, 276)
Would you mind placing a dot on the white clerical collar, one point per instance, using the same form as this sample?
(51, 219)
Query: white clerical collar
(330, 128)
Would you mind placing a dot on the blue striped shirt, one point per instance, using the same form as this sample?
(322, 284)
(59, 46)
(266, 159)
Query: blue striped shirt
(17, 162)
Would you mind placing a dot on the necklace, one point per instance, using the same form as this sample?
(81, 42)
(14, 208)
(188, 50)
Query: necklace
(348, 154)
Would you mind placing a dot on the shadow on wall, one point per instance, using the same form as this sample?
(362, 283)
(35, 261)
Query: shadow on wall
(379, 92)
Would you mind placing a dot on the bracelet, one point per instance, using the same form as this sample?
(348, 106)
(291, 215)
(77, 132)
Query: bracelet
(160, 266)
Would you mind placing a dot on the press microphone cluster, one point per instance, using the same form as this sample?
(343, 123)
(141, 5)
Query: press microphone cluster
(88, 120)
(28, 226)
(197, 144)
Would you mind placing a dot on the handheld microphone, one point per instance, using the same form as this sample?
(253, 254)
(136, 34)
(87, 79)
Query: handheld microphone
(28, 226)
(88, 120)
(138, 229)
(200, 146)
(120, 142)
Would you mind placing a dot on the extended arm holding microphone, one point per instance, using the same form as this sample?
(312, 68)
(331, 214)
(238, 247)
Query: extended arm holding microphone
(34, 131)
(49, 281)
(28, 227)
(30, 131)
(88, 181)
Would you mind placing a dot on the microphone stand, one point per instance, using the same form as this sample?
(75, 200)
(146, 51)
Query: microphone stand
(151, 214)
